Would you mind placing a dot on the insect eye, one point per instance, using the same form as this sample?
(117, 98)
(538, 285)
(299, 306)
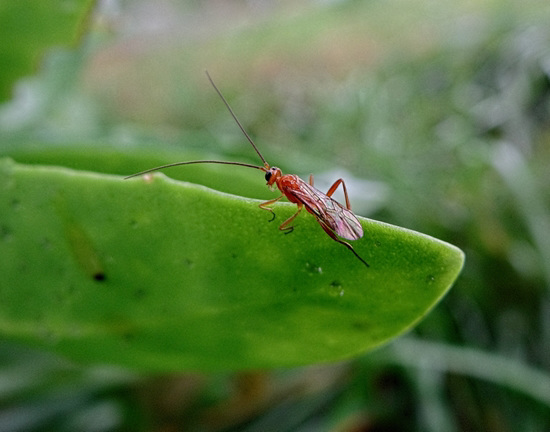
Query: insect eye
(267, 175)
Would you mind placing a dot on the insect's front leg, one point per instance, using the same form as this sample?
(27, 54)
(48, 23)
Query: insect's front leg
(266, 203)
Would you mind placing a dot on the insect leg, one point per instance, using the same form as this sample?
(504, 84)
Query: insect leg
(266, 203)
(335, 186)
(284, 226)
(311, 179)
(346, 244)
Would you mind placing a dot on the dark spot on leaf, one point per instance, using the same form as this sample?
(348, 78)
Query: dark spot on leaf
(128, 336)
(313, 269)
(80, 243)
(46, 243)
(361, 325)
(336, 289)
(5, 233)
(84, 251)
(139, 293)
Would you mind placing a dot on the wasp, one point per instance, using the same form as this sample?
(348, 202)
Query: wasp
(337, 221)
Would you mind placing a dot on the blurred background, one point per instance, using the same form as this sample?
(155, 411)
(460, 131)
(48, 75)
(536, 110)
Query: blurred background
(437, 114)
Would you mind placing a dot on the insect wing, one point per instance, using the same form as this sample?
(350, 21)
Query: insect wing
(338, 218)
(344, 222)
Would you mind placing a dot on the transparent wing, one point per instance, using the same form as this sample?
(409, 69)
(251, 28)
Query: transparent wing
(338, 218)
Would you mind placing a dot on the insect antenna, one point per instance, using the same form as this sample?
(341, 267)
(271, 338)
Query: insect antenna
(236, 119)
(195, 162)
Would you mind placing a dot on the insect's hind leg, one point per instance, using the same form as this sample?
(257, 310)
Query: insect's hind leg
(333, 189)
(266, 203)
(346, 244)
(284, 226)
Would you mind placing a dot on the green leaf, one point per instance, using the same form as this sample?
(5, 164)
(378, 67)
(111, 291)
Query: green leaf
(162, 275)
(28, 28)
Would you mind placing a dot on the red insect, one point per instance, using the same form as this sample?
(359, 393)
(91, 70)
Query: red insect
(335, 219)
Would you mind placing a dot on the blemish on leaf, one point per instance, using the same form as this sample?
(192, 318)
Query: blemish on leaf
(84, 251)
(139, 293)
(128, 336)
(361, 325)
(46, 243)
(313, 269)
(5, 233)
(81, 245)
(336, 289)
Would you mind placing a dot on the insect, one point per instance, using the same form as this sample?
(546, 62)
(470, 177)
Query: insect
(336, 220)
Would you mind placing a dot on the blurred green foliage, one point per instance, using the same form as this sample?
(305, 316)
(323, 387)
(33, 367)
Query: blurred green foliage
(446, 105)
(28, 28)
